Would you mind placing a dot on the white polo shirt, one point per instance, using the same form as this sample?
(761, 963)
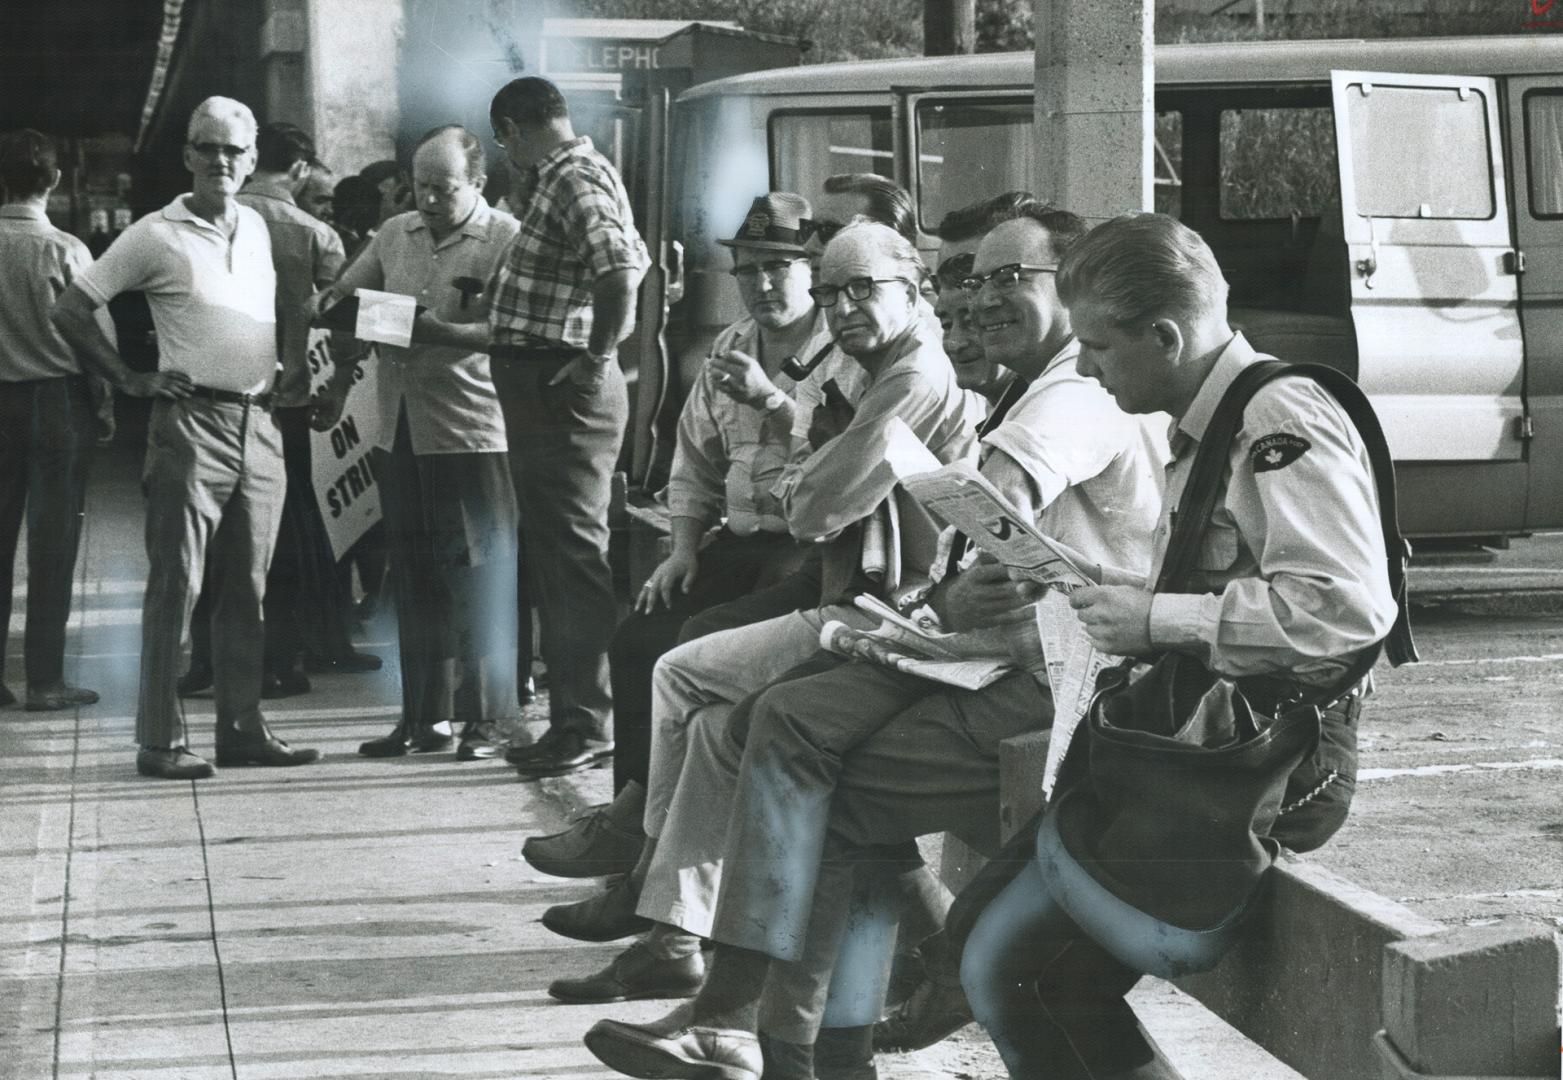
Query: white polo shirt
(212, 298)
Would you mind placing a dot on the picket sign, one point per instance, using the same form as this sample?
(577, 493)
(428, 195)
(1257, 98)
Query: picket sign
(345, 483)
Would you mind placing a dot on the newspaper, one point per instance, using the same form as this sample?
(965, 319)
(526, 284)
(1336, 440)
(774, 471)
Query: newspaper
(900, 643)
(1072, 666)
(961, 496)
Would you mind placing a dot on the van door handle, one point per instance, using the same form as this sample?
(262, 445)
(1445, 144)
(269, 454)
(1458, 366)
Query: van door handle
(1514, 262)
(1369, 266)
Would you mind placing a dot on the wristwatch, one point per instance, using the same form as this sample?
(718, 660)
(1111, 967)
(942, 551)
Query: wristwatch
(602, 359)
(773, 401)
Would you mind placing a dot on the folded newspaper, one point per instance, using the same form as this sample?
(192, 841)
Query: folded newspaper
(900, 643)
(1072, 666)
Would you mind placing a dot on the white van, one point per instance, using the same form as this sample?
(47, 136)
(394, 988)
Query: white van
(1394, 208)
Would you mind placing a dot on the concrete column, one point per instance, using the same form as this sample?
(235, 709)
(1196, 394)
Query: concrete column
(1094, 117)
(354, 47)
(283, 37)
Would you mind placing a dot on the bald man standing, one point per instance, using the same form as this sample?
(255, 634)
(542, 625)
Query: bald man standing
(447, 496)
(214, 478)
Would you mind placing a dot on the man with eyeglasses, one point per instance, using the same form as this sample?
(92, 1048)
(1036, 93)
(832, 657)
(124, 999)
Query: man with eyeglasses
(214, 476)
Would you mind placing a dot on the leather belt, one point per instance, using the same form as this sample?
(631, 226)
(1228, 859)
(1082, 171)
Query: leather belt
(535, 352)
(232, 397)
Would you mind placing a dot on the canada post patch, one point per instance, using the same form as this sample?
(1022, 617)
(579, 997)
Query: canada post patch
(1277, 451)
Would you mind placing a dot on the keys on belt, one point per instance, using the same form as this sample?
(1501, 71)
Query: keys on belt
(232, 397)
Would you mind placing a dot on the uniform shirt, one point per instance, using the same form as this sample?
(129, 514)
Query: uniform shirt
(575, 227)
(729, 455)
(307, 255)
(449, 395)
(1292, 567)
(212, 297)
(37, 263)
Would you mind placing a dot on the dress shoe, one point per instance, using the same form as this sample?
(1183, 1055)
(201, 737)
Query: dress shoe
(400, 740)
(177, 763)
(7, 699)
(936, 1010)
(595, 845)
(633, 975)
(559, 753)
(262, 748)
(351, 662)
(677, 1047)
(478, 742)
(198, 678)
(58, 696)
(286, 684)
(608, 916)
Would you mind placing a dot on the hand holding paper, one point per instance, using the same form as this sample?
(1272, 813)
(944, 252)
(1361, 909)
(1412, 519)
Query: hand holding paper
(385, 317)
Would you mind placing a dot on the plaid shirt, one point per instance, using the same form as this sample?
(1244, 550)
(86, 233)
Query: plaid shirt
(576, 226)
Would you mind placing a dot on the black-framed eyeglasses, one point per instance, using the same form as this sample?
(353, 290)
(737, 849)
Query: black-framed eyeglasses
(1003, 277)
(212, 149)
(857, 289)
(824, 228)
(772, 269)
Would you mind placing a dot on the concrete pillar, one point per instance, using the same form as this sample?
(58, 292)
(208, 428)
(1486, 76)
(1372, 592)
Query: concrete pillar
(1094, 117)
(284, 36)
(354, 47)
(1471, 1002)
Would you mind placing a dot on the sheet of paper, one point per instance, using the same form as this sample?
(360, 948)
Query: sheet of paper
(1072, 666)
(385, 317)
(905, 453)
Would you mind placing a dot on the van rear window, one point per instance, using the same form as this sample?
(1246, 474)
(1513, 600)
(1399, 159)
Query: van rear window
(969, 150)
(808, 146)
(1276, 163)
(1420, 152)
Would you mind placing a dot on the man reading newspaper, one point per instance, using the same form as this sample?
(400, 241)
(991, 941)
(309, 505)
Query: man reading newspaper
(838, 758)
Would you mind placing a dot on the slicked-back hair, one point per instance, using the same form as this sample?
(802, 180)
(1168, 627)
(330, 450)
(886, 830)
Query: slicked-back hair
(977, 220)
(222, 108)
(955, 269)
(1140, 267)
(888, 202)
(355, 203)
(1064, 229)
(897, 248)
(529, 101)
(471, 148)
(280, 145)
(27, 163)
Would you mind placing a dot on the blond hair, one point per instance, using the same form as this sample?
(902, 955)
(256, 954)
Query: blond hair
(1140, 267)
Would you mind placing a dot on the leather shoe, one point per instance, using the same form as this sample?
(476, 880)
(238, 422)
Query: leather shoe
(198, 678)
(58, 696)
(176, 763)
(632, 976)
(477, 742)
(260, 749)
(593, 846)
(351, 662)
(285, 684)
(559, 753)
(676, 1047)
(935, 1011)
(399, 741)
(608, 916)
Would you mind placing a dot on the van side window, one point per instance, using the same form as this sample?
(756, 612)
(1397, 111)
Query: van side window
(807, 146)
(1420, 152)
(1276, 163)
(969, 150)
(1168, 166)
(1544, 150)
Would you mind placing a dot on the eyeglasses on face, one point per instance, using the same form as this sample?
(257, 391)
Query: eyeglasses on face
(773, 269)
(1004, 277)
(824, 228)
(211, 149)
(857, 289)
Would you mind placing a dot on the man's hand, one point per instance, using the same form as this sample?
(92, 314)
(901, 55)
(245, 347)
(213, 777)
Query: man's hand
(677, 571)
(583, 371)
(983, 595)
(325, 408)
(1117, 618)
(740, 377)
(157, 384)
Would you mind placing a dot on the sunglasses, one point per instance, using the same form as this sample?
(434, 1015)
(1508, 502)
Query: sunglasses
(857, 289)
(1004, 277)
(824, 228)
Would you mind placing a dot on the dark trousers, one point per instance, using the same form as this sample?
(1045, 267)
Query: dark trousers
(307, 610)
(564, 443)
(45, 441)
(450, 523)
(729, 567)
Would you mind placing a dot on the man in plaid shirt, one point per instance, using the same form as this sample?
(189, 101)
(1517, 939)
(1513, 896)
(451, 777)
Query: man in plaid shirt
(560, 304)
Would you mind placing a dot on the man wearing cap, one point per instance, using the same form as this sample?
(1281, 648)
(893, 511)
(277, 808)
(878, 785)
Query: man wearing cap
(214, 475)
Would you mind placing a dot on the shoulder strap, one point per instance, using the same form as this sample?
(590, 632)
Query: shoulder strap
(1205, 484)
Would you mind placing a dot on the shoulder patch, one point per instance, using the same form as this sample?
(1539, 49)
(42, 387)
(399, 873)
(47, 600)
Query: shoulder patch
(1277, 451)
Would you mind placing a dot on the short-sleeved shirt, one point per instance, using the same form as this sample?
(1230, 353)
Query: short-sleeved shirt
(37, 263)
(1292, 575)
(212, 296)
(448, 393)
(307, 255)
(729, 455)
(575, 227)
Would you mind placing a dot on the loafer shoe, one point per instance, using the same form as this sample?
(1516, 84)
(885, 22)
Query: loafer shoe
(399, 741)
(351, 662)
(59, 696)
(177, 763)
(693, 1051)
(936, 1010)
(477, 743)
(198, 678)
(608, 916)
(634, 975)
(559, 753)
(266, 750)
(593, 846)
